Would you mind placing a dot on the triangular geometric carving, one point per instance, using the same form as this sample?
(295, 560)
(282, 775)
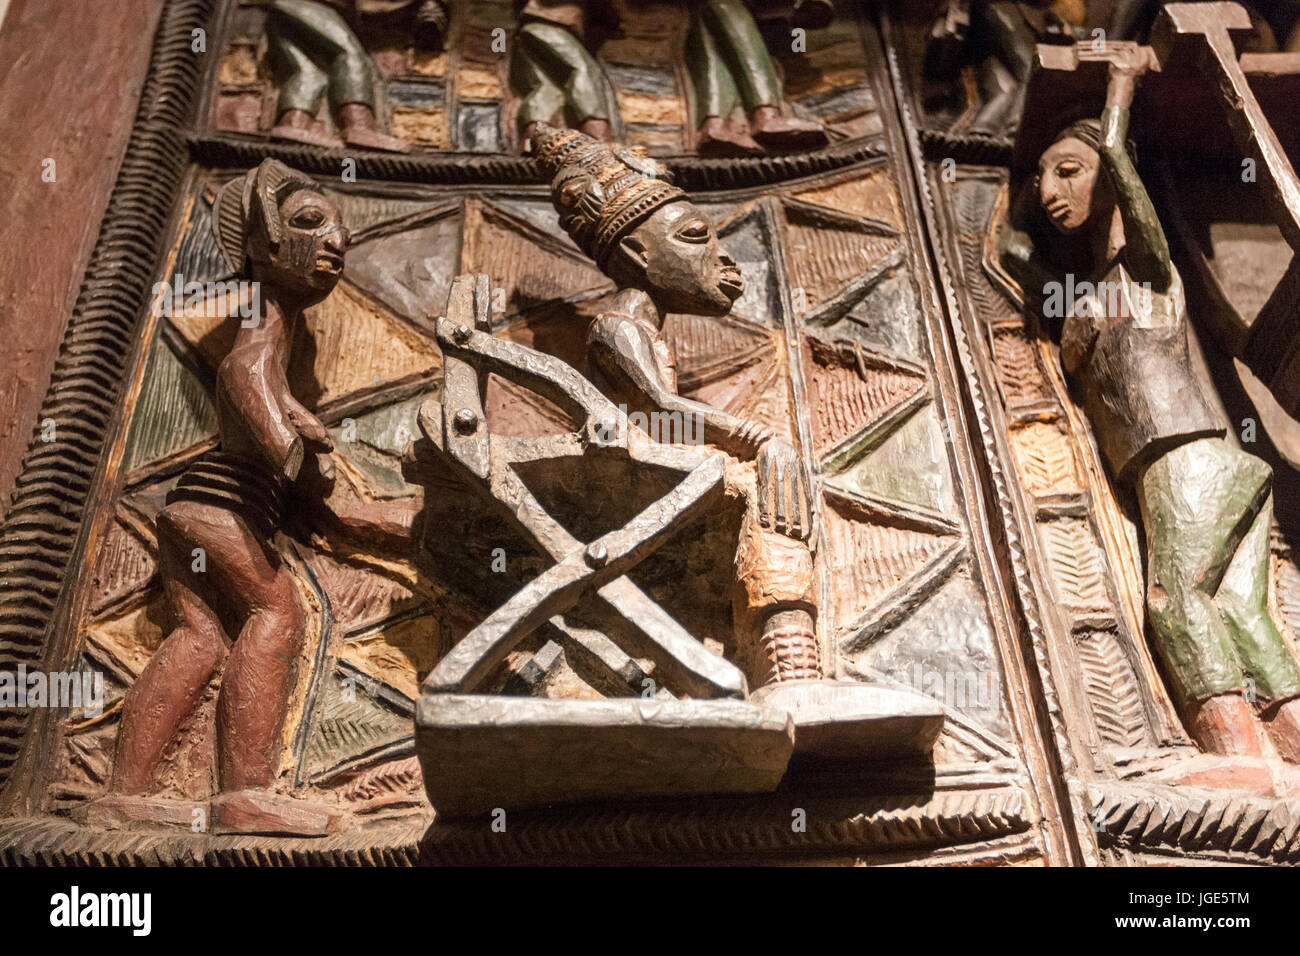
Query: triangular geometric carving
(399, 655)
(530, 267)
(746, 239)
(849, 390)
(355, 344)
(126, 562)
(361, 596)
(174, 412)
(707, 348)
(361, 214)
(910, 465)
(825, 251)
(870, 196)
(409, 270)
(867, 559)
(347, 723)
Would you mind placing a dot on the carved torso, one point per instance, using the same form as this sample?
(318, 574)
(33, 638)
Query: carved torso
(1126, 348)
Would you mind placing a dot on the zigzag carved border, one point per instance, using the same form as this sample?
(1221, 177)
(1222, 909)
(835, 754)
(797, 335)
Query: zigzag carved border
(39, 534)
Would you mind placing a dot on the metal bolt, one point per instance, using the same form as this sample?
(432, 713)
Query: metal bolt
(460, 334)
(596, 555)
(466, 422)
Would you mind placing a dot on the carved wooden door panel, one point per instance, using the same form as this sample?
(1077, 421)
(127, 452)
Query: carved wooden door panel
(1138, 783)
(967, 549)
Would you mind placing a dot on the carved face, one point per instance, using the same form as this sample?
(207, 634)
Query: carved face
(1070, 189)
(676, 257)
(309, 257)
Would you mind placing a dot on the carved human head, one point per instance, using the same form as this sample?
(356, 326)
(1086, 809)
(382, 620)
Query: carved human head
(278, 226)
(1072, 188)
(643, 232)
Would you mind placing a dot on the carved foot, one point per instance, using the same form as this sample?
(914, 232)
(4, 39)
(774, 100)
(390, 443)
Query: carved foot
(360, 128)
(778, 132)
(1225, 725)
(1283, 724)
(260, 811)
(596, 128)
(722, 139)
(121, 811)
(299, 126)
(373, 139)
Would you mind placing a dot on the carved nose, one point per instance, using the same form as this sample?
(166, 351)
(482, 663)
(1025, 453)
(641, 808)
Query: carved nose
(339, 240)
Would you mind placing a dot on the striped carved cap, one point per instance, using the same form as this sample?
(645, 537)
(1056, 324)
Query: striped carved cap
(601, 191)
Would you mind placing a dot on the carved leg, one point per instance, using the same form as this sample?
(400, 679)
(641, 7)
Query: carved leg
(1002, 100)
(774, 608)
(1206, 510)
(302, 84)
(715, 98)
(314, 31)
(170, 687)
(260, 672)
(742, 48)
(550, 60)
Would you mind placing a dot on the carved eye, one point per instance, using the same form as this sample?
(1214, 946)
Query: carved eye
(1067, 169)
(308, 217)
(696, 230)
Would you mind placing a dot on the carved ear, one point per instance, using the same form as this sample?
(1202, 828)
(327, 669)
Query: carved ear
(635, 250)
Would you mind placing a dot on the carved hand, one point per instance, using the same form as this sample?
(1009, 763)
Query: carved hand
(784, 491)
(1127, 63)
(747, 437)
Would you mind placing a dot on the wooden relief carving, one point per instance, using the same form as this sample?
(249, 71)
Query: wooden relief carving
(1138, 676)
(644, 420)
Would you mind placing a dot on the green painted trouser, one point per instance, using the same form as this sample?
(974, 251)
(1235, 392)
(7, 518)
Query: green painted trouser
(1206, 508)
(728, 60)
(312, 49)
(552, 73)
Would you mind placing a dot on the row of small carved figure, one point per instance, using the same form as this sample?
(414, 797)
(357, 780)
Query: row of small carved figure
(314, 52)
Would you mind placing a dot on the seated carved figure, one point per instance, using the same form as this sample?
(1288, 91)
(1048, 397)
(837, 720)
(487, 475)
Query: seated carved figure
(277, 229)
(1206, 504)
(647, 236)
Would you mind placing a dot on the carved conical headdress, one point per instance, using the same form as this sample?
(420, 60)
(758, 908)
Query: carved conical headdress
(251, 203)
(601, 191)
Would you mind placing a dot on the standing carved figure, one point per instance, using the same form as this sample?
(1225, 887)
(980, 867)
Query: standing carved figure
(277, 229)
(551, 71)
(314, 53)
(665, 257)
(729, 63)
(1005, 33)
(1206, 504)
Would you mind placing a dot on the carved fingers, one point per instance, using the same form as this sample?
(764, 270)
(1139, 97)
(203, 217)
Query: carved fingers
(749, 437)
(784, 491)
(306, 424)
